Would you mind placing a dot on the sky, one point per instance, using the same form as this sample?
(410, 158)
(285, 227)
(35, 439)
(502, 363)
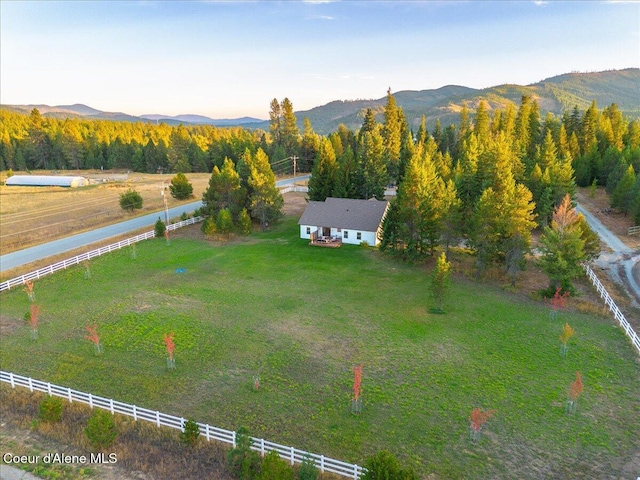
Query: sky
(229, 59)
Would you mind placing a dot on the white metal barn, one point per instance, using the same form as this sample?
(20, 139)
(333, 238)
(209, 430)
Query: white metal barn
(46, 181)
(343, 220)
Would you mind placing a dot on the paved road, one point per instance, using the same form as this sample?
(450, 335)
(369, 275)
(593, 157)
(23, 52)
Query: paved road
(28, 255)
(623, 263)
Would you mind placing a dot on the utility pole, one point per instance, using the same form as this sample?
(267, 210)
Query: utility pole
(294, 158)
(166, 213)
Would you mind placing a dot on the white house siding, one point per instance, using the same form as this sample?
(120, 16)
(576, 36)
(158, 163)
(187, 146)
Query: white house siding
(369, 237)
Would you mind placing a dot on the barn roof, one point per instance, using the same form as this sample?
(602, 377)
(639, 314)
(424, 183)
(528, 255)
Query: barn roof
(346, 213)
(46, 181)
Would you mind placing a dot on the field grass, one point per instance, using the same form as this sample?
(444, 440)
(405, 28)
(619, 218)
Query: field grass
(33, 215)
(302, 318)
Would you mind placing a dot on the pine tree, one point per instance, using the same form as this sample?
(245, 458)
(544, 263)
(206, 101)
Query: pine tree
(562, 248)
(440, 281)
(324, 176)
(265, 199)
(372, 172)
(224, 191)
(391, 133)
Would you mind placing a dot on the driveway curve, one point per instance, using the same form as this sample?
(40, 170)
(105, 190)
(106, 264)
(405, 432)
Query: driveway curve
(622, 262)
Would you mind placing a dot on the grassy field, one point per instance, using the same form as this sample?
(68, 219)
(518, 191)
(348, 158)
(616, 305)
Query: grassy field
(302, 318)
(34, 215)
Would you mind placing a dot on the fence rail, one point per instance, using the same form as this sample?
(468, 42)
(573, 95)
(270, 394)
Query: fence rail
(89, 255)
(608, 301)
(633, 230)
(291, 454)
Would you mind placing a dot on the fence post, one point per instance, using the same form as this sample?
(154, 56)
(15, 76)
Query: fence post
(206, 432)
(293, 458)
(135, 414)
(111, 406)
(49, 388)
(157, 418)
(233, 439)
(91, 401)
(321, 463)
(69, 395)
(30, 385)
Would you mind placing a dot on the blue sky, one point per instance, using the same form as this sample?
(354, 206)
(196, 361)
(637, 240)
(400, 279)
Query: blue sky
(230, 59)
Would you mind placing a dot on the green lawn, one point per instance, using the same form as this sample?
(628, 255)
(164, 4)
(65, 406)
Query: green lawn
(302, 318)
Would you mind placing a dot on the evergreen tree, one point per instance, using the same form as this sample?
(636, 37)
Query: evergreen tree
(324, 176)
(265, 199)
(180, 187)
(289, 129)
(621, 197)
(562, 248)
(440, 281)
(224, 191)
(372, 173)
(391, 133)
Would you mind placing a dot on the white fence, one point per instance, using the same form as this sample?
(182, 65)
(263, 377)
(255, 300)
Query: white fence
(89, 255)
(608, 301)
(633, 230)
(293, 188)
(290, 454)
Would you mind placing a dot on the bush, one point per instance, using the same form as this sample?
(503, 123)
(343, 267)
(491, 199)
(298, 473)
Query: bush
(385, 466)
(308, 469)
(159, 228)
(101, 429)
(180, 187)
(209, 226)
(244, 222)
(189, 436)
(50, 409)
(130, 200)
(243, 462)
(275, 468)
(224, 221)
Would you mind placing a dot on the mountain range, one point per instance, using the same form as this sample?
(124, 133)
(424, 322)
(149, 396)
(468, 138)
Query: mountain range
(556, 95)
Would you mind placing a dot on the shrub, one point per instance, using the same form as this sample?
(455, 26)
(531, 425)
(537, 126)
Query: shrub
(275, 468)
(385, 466)
(101, 429)
(180, 187)
(243, 462)
(10, 173)
(159, 228)
(209, 226)
(50, 409)
(224, 222)
(130, 200)
(308, 469)
(189, 436)
(244, 222)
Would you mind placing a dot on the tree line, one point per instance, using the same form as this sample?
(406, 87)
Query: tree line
(488, 181)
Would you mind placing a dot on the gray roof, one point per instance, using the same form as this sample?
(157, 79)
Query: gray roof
(46, 180)
(346, 213)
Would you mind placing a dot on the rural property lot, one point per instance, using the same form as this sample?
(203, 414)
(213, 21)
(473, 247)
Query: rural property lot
(301, 318)
(34, 215)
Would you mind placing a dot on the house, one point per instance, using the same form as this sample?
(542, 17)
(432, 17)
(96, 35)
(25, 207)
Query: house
(343, 220)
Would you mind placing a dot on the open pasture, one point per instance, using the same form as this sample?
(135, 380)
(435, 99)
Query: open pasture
(301, 318)
(34, 215)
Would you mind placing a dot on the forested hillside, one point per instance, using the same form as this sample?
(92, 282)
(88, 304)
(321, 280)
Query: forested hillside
(553, 95)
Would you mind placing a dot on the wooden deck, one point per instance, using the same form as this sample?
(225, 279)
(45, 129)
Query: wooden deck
(331, 242)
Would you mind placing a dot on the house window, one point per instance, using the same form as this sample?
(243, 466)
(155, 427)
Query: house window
(346, 234)
(308, 230)
(359, 235)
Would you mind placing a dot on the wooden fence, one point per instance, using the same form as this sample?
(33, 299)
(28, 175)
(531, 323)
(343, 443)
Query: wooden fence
(291, 454)
(608, 301)
(89, 255)
(633, 230)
